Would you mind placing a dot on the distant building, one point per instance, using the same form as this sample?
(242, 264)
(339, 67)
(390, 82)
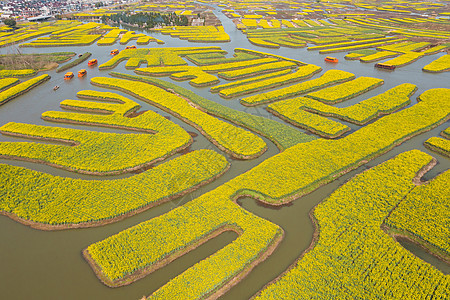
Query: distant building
(198, 22)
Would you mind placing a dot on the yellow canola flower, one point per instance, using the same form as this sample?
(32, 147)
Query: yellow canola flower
(302, 111)
(404, 59)
(156, 56)
(282, 178)
(61, 202)
(196, 75)
(423, 215)
(301, 73)
(17, 73)
(89, 152)
(234, 140)
(440, 145)
(256, 70)
(347, 90)
(21, 88)
(328, 78)
(353, 256)
(442, 64)
(7, 82)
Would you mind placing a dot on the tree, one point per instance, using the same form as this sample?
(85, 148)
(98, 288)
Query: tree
(10, 22)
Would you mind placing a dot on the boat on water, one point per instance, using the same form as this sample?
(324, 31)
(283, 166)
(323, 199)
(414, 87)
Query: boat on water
(130, 47)
(92, 62)
(331, 59)
(68, 76)
(384, 66)
(115, 51)
(56, 87)
(82, 73)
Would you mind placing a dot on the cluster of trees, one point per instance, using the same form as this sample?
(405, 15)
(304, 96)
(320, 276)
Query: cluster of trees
(147, 19)
(10, 23)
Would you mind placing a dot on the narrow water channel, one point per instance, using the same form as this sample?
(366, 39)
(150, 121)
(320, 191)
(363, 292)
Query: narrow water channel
(48, 265)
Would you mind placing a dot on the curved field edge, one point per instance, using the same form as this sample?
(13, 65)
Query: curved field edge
(438, 145)
(330, 77)
(56, 189)
(77, 61)
(77, 157)
(306, 279)
(330, 134)
(310, 114)
(138, 252)
(231, 139)
(347, 153)
(126, 280)
(422, 216)
(173, 256)
(277, 180)
(22, 88)
(282, 135)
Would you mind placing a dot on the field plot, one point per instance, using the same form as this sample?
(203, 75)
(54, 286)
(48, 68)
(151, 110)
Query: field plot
(80, 35)
(328, 78)
(347, 90)
(233, 140)
(440, 145)
(307, 113)
(231, 158)
(350, 220)
(201, 34)
(442, 64)
(156, 56)
(196, 75)
(21, 88)
(99, 202)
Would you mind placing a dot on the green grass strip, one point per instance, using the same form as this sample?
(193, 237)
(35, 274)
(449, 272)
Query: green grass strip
(74, 63)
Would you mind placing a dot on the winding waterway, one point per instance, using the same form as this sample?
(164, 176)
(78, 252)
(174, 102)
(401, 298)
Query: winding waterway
(48, 265)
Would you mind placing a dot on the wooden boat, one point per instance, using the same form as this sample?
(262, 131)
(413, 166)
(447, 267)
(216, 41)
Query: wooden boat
(331, 59)
(68, 76)
(55, 87)
(130, 47)
(82, 73)
(115, 51)
(92, 62)
(384, 66)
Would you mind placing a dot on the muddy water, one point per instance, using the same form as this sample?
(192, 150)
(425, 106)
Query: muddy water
(48, 265)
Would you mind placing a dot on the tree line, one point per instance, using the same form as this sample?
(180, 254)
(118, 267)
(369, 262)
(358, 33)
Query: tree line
(147, 19)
